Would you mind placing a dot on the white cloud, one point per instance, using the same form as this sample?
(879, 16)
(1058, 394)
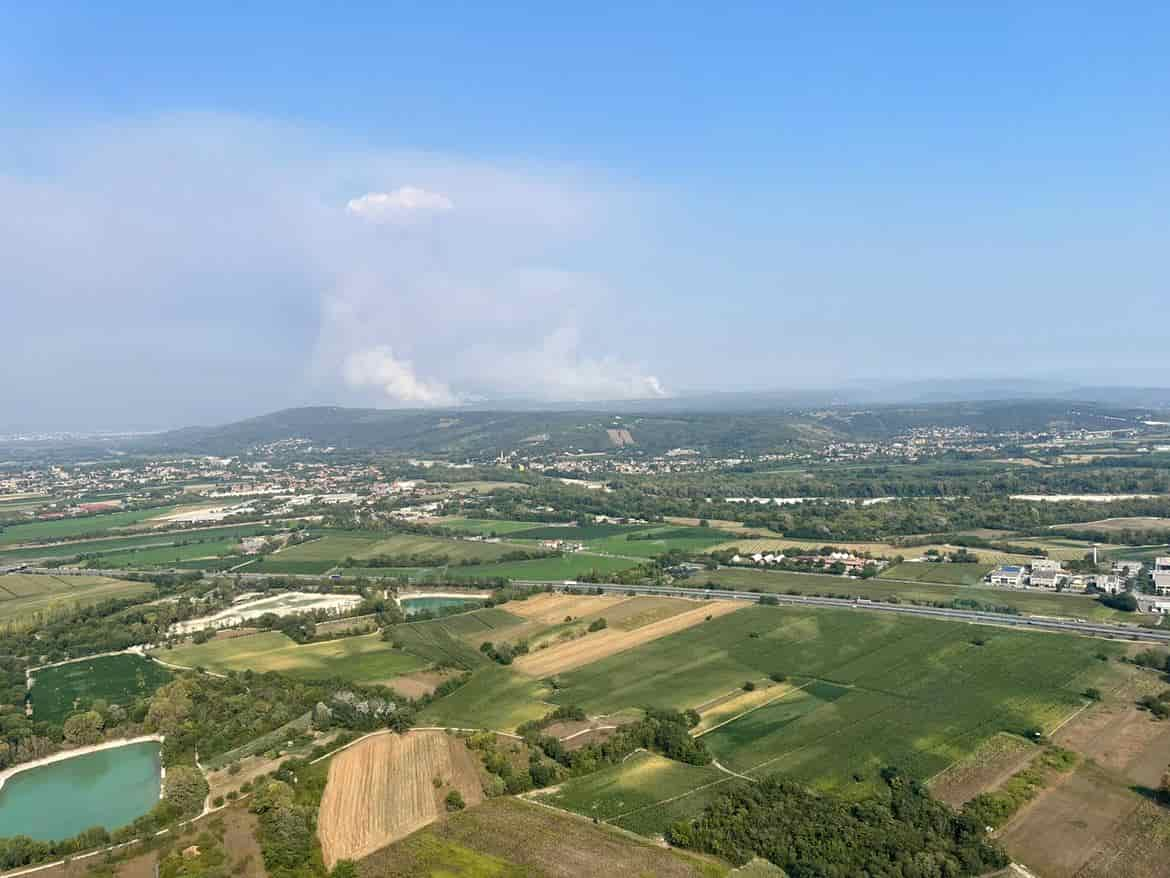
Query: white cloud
(381, 206)
(108, 241)
(558, 369)
(378, 367)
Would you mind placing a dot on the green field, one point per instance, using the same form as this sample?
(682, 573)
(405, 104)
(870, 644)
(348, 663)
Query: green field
(335, 547)
(880, 689)
(572, 532)
(363, 659)
(665, 539)
(946, 573)
(479, 624)
(413, 574)
(280, 564)
(124, 544)
(485, 526)
(28, 597)
(116, 679)
(1135, 553)
(508, 837)
(74, 527)
(437, 643)
(635, 785)
(168, 556)
(1027, 602)
(495, 698)
(557, 569)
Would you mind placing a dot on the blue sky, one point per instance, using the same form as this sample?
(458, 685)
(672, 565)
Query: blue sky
(585, 203)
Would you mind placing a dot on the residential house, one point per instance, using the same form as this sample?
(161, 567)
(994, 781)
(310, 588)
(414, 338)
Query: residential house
(1045, 577)
(1162, 583)
(1109, 584)
(1008, 575)
(1127, 569)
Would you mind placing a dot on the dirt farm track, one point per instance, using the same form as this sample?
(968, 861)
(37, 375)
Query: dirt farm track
(388, 786)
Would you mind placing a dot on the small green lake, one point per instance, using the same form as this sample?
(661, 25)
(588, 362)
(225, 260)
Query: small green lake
(411, 606)
(109, 788)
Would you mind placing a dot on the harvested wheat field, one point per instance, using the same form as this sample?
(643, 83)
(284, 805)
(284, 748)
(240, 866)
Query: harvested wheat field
(736, 703)
(418, 684)
(596, 646)
(383, 789)
(551, 609)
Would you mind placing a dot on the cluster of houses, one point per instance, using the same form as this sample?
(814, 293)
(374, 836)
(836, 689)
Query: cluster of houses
(1049, 574)
(851, 563)
(1161, 575)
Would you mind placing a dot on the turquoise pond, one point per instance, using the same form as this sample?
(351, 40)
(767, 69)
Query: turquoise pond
(410, 606)
(108, 788)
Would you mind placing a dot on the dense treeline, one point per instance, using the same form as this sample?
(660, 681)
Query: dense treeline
(809, 835)
(946, 508)
(663, 731)
(209, 716)
(117, 624)
(850, 521)
(1143, 474)
(286, 807)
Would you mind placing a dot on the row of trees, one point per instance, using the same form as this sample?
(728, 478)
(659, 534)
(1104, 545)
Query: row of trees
(904, 833)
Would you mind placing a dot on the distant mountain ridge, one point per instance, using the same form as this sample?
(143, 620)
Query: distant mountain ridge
(653, 427)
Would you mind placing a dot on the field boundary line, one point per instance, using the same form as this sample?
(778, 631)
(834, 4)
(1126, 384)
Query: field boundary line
(727, 770)
(532, 798)
(1064, 722)
(690, 792)
(770, 701)
(587, 731)
(186, 667)
(457, 729)
(832, 734)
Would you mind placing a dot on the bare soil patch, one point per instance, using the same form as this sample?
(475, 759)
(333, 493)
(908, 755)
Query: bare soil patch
(577, 734)
(638, 611)
(223, 781)
(738, 702)
(235, 827)
(385, 788)
(232, 633)
(736, 527)
(418, 684)
(598, 645)
(1120, 737)
(620, 437)
(1070, 824)
(1117, 524)
(540, 841)
(1139, 849)
(584, 739)
(986, 769)
(551, 609)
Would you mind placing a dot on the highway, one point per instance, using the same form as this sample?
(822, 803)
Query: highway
(1041, 623)
(975, 617)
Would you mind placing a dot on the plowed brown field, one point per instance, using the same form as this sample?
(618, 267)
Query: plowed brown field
(592, 647)
(553, 608)
(383, 789)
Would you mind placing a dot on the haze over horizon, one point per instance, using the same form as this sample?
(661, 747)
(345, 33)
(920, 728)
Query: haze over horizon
(436, 207)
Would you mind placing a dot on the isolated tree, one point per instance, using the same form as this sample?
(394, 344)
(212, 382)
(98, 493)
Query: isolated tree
(170, 707)
(83, 729)
(185, 789)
